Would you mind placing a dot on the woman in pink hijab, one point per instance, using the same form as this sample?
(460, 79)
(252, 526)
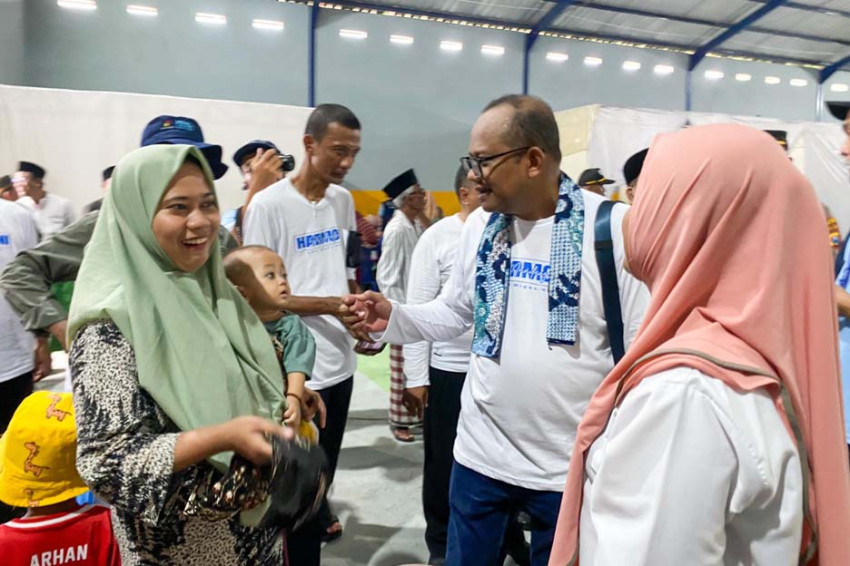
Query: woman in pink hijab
(719, 437)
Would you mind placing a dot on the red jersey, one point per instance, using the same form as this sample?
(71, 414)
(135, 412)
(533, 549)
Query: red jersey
(81, 537)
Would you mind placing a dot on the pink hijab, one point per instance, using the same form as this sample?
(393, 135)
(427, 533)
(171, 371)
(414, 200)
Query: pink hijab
(731, 241)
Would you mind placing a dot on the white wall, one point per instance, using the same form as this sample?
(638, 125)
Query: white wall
(417, 103)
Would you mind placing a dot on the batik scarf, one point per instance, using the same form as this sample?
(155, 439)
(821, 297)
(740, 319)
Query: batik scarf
(493, 271)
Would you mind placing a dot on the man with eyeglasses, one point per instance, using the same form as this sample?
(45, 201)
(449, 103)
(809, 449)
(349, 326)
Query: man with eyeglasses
(527, 282)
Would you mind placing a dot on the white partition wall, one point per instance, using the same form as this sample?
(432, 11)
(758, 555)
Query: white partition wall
(76, 134)
(616, 133)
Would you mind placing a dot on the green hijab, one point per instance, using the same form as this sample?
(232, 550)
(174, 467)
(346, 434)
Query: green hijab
(201, 352)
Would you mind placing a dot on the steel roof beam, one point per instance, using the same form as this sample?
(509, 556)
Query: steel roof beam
(732, 31)
(702, 22)
(545, 22)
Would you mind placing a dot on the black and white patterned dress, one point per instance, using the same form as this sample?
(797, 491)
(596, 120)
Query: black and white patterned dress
(125, 453)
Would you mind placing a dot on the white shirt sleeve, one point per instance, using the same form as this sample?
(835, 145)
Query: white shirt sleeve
(390, 273)
(661, 489)
(450, 314)
(423, 286)
(260, 227)
(690, 471)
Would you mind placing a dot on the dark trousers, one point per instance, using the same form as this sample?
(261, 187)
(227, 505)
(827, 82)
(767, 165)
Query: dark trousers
(12, 392)
(439, 431)
(482, 508)
(304, 545)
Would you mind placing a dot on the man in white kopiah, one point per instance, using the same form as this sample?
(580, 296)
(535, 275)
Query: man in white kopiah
(400, 237)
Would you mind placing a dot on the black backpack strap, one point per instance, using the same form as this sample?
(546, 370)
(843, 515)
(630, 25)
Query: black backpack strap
(608, 275)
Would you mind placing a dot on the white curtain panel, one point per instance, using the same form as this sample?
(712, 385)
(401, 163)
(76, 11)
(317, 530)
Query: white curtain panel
(76, 134)
(617, 133)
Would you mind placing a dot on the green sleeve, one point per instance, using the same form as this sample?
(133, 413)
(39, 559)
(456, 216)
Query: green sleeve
(299, 347)
(27, 279)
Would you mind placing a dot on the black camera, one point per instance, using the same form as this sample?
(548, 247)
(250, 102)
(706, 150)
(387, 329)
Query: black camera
(287, 162)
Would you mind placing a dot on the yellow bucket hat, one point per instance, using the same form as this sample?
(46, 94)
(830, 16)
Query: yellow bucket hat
(38, 453)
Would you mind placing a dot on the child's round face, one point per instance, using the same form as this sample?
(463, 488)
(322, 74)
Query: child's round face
(270, 288)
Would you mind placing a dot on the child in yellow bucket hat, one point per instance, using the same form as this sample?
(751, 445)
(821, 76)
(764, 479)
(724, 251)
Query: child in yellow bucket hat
(38, 471)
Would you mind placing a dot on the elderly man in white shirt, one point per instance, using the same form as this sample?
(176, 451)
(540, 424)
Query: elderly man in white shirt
(52, 213)
(400, 237)
(527, 282)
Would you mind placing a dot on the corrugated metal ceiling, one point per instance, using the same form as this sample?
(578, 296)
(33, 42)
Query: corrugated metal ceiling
(815, 32)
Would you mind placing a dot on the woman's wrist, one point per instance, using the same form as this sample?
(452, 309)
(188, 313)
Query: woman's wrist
(296, 395)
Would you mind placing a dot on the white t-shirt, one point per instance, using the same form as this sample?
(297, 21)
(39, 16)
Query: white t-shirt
(399, 241)
(17, 233)
(52, 214)
(519, 413)
(311, 238)
(430, 268)
(690, 471)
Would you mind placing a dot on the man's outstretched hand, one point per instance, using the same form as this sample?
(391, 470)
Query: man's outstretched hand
(372, 308)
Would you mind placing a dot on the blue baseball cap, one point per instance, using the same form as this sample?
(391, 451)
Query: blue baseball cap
(250, 149)
(180, 130)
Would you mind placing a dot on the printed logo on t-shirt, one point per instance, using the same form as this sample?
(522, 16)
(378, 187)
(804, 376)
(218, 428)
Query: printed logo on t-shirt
(529, 274)
(318, 240)
(60, 556)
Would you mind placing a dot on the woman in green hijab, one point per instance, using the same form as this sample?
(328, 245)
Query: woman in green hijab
(172, 372)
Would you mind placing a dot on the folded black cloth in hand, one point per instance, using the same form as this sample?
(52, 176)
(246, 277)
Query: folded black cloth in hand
(298, 484)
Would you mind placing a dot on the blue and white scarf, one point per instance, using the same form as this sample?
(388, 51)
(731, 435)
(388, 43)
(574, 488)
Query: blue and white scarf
(492, 275)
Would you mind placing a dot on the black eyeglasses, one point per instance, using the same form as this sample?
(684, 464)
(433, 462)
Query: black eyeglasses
(476, 164)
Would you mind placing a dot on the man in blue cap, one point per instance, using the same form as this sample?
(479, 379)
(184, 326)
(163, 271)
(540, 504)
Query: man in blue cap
(262, 164)
(180, 130)
(27, 279)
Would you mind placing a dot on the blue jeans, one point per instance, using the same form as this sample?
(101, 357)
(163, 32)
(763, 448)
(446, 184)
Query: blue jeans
(480, 510)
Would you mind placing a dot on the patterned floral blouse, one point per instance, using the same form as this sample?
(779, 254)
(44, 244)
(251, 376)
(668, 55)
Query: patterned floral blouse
(125, 453)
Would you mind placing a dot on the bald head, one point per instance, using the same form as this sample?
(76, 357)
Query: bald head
(530, 123)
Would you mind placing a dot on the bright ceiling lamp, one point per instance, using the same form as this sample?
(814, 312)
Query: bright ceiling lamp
(78, 4)
(212, 19)
(401, 39)
(631, 66)
(839, 87)
(592, 61)
(714, 75)
(798, 82)
(144, 11)
(353, 34)
(446, 45)
(772, 80)
(269, 25)
(495, 50)
(663, 69)
(557, 57)
(743, 77)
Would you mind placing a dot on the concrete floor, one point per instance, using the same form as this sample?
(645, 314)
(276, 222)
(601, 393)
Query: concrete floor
(377, 489)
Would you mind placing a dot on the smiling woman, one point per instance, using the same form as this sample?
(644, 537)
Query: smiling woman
(187, 219)
(154, 322)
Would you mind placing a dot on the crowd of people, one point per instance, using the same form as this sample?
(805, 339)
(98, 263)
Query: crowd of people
(644, 384)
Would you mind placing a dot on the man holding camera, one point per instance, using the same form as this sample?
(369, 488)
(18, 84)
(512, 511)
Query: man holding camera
(262, 164)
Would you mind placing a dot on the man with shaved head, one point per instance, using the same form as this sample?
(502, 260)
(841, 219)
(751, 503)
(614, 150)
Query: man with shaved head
(526, 281)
